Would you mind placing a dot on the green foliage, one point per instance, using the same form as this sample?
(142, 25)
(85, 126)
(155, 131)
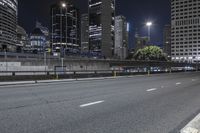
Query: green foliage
(150, 53)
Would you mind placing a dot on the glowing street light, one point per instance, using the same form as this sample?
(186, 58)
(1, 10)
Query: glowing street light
(64, 5)
(149, 24)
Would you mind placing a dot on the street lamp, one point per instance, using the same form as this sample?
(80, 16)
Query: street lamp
(64, 5)
(149, 24)
(62, 50)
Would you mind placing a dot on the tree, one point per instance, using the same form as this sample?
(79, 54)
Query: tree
(150, 53)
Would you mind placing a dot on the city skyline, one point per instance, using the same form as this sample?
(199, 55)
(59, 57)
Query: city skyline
(99, 66)
(136, 12)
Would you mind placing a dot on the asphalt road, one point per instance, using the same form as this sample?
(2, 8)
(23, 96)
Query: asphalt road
(162, 103)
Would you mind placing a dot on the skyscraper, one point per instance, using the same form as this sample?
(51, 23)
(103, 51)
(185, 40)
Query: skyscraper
(84, 33)
(121, 37)
(38, 41)
(45, 31)
(167, 40)
(140, 42)
(101, 26)
(64, 27)
(8, 25)
(185, 29)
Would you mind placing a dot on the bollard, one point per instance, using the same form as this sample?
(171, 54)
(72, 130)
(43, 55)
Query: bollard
(115, 74)
(149, 73)
(148, 70)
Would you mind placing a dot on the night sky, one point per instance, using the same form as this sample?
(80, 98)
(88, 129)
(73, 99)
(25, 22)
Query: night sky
(137, 13)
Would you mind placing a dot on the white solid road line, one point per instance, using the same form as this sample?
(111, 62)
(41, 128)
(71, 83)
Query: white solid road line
(193, 126)
(153, 89)
(89, 104)
(178, 83)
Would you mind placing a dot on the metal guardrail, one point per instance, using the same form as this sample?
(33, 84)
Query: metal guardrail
(166, 64)
(15, 73)
(46, 75)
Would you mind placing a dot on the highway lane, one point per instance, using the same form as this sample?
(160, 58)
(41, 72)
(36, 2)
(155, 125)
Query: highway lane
(162, 103)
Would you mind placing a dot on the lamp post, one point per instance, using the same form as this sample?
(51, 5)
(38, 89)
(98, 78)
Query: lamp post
(149, 24)
(62, 53)
(63, 6)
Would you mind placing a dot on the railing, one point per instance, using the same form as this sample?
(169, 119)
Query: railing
(43, 75)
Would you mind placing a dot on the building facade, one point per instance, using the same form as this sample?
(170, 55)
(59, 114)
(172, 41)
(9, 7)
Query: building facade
(64, 28)
(140, 42)
(38, 41)
(101, 27)
(46, 33)
(167, 40)
(185, 30)
(23, 41)
(8, 25)
(84, 33)
(44, 29)
(121, 37)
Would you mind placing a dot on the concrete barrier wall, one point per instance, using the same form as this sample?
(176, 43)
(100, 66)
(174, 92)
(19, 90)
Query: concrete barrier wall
(17, 66)
(39, 65)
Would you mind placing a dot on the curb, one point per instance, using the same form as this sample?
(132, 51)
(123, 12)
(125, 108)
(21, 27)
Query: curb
(54, 81)
(17, 83)
(51, 81)
(193, 126)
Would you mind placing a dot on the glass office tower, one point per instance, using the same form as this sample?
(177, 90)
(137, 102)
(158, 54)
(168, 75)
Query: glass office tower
(64, 27)
(8, 25)
(101, 26)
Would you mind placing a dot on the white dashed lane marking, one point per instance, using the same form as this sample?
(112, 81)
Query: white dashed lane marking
(90, 104)
(153, 89)
(178, 83)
